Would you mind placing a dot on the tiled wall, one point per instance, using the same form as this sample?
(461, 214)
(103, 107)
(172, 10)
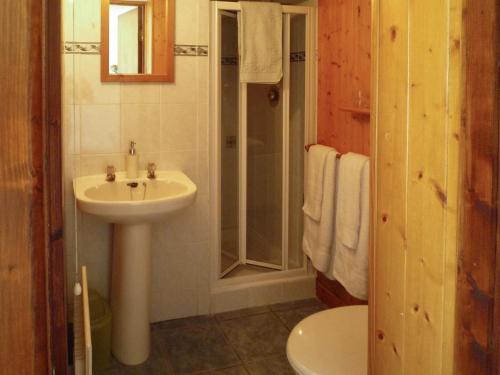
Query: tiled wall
(169, 122)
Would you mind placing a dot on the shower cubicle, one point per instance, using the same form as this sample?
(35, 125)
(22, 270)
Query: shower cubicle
(259, 132)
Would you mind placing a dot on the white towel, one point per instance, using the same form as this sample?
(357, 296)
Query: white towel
(260, 42)
(348, 205)
(318, 235)
(350, 266)
(313, 186)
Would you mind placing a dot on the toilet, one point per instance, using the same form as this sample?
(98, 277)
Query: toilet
(331, 342)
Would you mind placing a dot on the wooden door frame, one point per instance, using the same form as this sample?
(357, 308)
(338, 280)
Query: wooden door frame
(32, 272)
(477, 336)
(53, 177)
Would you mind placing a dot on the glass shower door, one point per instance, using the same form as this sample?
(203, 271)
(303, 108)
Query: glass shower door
(264, 175)
(229, 134)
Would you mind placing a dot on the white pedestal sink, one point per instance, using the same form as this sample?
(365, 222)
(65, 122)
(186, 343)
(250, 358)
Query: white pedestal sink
(132, 205)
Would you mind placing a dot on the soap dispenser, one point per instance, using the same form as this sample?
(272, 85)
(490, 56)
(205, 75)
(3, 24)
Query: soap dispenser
(131, 162)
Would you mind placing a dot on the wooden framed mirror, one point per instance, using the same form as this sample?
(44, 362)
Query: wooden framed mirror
(137, 40)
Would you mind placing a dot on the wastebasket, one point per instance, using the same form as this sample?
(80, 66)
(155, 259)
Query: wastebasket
(100, 327)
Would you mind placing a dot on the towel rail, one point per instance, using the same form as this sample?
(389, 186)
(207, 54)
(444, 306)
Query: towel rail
(308, 146)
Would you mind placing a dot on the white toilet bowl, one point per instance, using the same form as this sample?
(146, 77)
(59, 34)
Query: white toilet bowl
(331, 342)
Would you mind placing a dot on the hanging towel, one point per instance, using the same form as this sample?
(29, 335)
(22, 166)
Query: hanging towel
(318, 235)
(350, 266)
(348, 205)
(260, 42)
(313, 187)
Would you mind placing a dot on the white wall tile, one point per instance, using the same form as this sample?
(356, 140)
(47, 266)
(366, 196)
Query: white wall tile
(67, 20)
(186, 21)
(87, 20)
(140, 93)
(185, 87)
(141, 124)
(179, 128)
(184, 161)
(88, 86)
(203, 22)
(100, 128)
(68, 75)
(96, 164)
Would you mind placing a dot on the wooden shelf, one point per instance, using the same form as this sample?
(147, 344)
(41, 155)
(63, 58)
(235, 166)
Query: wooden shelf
(358, 111)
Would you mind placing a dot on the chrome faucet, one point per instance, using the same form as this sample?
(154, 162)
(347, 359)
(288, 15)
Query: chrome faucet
(110, 173)
(151, 171)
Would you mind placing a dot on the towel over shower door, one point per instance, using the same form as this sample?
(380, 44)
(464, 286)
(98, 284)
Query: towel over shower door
(261, 131)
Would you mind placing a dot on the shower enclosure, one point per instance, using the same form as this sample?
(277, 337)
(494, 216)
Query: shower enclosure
(259, 132)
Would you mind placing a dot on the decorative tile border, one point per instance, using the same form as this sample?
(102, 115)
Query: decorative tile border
(190, 50)
(294, 57)
(82, 48)
(94, 48)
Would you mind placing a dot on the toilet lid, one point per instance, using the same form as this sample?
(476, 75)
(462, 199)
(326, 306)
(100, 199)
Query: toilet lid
(331, 342)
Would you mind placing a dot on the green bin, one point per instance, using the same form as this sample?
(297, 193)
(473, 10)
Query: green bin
(100, 326)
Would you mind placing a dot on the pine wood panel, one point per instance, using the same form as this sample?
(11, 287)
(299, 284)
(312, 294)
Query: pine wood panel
(416, 118)
(429, 188)
(343, 72)
(389, 158)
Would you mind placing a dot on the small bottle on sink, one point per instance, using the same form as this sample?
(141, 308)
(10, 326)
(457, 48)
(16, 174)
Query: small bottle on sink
(131, 162)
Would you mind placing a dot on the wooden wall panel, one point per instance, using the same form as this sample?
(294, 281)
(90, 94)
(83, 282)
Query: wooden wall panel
(343, 73)
(415, 181)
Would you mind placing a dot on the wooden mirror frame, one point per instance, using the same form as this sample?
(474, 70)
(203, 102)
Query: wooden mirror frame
(161, 8)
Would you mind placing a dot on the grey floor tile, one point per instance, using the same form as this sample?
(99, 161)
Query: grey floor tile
(256, 335)
(238, 370)
(157, 363)
(197, 345)
(291, 317)
(270, 366)
(241, 313)
(296, 304)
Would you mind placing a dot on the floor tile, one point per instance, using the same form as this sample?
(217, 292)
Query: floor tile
(238, 370)
(157, 363)
(241, 313)
(270, 366)
(296, 304)
(291, 317)
(197, 345)
(256, 335)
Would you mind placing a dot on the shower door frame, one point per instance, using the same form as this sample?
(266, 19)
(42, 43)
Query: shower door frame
(218, 10)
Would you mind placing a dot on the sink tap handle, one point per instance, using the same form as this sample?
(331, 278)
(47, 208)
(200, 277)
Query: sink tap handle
(151, 170)
(110, 173)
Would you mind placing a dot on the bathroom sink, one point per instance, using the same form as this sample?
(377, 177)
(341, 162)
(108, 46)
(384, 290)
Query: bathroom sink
(132, 205)
(137, 200)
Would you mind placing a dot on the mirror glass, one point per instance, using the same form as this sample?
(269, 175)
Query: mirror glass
(129, 53)
(137, 40)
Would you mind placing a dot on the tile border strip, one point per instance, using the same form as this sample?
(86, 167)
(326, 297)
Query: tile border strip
(294, 57)
(94, 48)
(82, 48)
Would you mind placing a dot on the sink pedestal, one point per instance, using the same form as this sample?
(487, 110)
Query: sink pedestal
(131, 293)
